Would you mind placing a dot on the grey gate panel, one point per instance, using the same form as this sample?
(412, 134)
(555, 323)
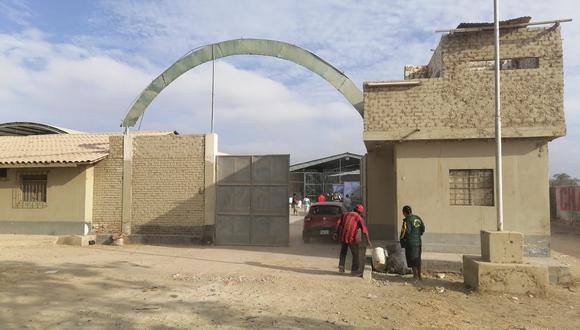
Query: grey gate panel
(252, 200)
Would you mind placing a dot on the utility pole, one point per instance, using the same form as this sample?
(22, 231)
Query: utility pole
(212, 85)
(498, 160)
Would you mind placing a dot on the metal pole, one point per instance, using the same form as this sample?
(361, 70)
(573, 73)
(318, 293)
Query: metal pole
(339, 170)
(498, 163)
(212, 85)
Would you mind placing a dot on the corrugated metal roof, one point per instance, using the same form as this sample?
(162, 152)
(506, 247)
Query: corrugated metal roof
(53, 149)
(30, 128)
(329, 159)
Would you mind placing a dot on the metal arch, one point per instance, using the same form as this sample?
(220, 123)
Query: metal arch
(263, 47)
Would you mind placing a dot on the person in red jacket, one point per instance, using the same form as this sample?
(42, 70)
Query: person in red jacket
(321, 198)
(346, 232)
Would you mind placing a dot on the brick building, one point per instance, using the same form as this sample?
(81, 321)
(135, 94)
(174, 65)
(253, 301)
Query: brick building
(72, 184)
(430, 143)
(430, 138)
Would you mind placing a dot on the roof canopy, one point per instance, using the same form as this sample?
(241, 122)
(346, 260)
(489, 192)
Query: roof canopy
(29, 128)
(343, 162)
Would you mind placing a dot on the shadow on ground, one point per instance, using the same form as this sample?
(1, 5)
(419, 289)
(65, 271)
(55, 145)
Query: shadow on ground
(69, 296)
(302, 270)
(323, 247)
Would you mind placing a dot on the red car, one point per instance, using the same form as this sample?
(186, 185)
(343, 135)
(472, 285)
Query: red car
(321, 220)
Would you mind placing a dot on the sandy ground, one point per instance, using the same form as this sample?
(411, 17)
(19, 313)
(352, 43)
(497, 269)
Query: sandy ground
(566, 245)
(151, 287)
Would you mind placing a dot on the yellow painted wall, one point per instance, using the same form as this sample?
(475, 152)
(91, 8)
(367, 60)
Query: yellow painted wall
(69, 196)
(423, 182)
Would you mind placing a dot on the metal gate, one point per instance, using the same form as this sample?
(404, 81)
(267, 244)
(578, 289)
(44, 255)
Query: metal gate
(252, 200)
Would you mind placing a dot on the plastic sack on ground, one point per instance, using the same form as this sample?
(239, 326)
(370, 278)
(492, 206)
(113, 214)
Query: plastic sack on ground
(396, 263)
(379, 259)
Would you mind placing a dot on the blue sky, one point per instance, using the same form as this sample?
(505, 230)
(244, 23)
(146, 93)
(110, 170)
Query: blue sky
(79, 64)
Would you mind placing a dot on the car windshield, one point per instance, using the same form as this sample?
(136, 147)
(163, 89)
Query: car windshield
(325, 210)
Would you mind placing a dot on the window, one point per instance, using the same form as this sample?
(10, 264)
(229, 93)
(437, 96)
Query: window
(506, 64)
(31, 191)
(471, 187)
(325, 210)
(3, 174)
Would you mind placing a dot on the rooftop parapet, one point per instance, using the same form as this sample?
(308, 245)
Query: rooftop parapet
(452, 97)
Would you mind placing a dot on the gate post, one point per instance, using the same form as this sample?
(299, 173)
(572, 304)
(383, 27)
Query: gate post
(127, 198)
(209, 195)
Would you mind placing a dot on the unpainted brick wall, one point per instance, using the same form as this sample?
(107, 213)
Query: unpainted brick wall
(168, 185)
(532, 99)
(108, 188)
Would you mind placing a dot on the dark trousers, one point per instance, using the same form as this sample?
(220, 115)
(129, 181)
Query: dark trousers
(354, 250)
(413, 255)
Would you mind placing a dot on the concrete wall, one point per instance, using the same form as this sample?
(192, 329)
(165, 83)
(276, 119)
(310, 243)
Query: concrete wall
(68, 209)
(422, 170)
(381, 202)
(460, 104)
(567, 203)
(167, 194)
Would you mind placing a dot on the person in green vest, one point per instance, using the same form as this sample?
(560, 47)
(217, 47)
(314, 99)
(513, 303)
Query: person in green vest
(411, 232)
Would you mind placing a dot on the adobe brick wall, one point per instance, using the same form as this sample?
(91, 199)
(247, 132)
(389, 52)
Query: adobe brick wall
(460, 104)
(108, 184)
(168, 181)
(168, 185)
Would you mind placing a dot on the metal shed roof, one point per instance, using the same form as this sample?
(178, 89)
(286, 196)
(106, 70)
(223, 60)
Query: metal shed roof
(346, 160)
(30, 128)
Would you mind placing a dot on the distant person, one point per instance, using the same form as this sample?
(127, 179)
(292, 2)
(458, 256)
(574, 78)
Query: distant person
(294, 204)
(335, 197)
(321, 198)
(347, 203)
(347, 232)
(306, 203)
(411, 232)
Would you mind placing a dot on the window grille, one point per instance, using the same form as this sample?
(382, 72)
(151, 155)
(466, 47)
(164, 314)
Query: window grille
(31, 191)
(471, 187)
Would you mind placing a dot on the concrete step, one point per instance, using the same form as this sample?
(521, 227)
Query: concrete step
(436, 262)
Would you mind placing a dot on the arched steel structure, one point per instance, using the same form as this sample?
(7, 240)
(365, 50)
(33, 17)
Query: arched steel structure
(262, 47)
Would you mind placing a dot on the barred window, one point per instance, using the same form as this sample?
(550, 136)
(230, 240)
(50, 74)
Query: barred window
(471, 187)
(31, 191)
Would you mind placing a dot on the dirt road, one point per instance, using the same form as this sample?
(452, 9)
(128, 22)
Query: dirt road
(566, 244)
(151, 287)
